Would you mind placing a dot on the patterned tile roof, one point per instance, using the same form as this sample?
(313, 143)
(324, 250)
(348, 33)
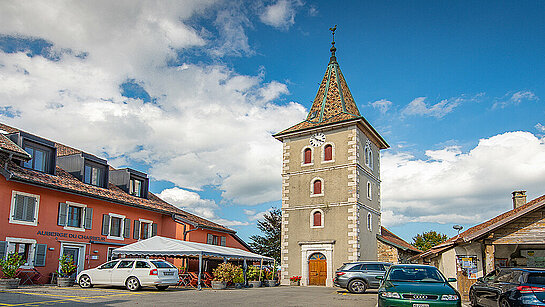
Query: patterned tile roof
(389, 237)
(8, 146)
(64, 181)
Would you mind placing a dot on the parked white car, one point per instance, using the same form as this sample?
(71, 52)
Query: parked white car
(131, 273)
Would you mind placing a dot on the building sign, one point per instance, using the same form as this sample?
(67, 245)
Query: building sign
(534, 258)
(69, 235)
(467, 265)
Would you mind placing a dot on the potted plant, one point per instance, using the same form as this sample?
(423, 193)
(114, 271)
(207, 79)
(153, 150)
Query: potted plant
(238, 279)
(295, 280)
(9, 267)
(223, 274)
(269, 278)
(253, 277)
(66, 268)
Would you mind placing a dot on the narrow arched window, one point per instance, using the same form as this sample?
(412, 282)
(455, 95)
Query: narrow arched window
(328, 152)
(369, 190)
(317, 187)
(369, 221)
(308, 156)
(317, 218)
(368, 156)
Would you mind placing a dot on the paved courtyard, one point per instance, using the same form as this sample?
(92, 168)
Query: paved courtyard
(277, 296)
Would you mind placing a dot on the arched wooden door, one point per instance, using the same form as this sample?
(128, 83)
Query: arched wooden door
(317, 269)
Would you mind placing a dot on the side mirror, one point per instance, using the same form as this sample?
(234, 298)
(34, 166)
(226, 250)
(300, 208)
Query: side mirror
(379, 277)
(451, 280)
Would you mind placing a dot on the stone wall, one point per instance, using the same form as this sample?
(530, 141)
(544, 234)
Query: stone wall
(387, 253)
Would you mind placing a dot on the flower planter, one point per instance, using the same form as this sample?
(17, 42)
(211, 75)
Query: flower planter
(295, 282)
(65, 282)
(270, 283)
(254, 284)
(219, 285)
(11, 283)
(239, 285)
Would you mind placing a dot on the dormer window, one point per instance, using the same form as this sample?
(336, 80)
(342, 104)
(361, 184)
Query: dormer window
(39, 158)
(93, 175)
(87, 168)
(135, 187)
(43, 152)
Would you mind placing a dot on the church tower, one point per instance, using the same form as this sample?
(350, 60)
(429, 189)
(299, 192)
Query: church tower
(330, 185)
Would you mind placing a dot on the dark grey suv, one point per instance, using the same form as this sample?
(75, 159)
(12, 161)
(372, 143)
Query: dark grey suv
(357, 277)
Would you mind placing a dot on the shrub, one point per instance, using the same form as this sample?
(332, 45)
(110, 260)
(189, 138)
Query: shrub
(10, 265)
(66, 266)
(239, 275)
(253, 273)
(224, 272)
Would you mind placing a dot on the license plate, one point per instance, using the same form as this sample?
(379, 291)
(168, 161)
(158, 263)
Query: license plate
(168, 273)
(421, 305)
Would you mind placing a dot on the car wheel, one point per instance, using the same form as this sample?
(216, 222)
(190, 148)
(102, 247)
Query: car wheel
(473, 299)
(132, 284)
(85, 281)
(357, 286)
(161, 287)
(504, 303)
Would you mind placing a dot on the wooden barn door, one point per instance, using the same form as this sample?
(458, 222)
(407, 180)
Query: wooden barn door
(317, 269)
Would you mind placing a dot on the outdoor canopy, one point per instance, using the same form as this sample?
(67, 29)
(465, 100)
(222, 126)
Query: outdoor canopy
(167, 247)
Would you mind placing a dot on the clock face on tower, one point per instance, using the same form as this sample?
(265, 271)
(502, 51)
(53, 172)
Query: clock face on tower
(317, 139)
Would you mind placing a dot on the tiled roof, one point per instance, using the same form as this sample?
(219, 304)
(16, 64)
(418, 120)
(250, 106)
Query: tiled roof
(390, 238)
(66, 182)
(479, 230)
(8, 146)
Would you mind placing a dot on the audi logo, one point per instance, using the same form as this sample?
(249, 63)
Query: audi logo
(420, 297)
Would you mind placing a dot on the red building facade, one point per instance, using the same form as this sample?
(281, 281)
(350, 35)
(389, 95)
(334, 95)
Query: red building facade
(58, 200)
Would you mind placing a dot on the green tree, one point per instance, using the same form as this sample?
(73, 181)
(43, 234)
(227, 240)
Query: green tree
(269, 243)
(428, 240)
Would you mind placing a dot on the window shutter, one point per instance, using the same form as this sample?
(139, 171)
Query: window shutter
(19, 207)
(3, 249)
(63, 208)
(88, 222)
(308, 155)
(39, 254)
(328, 153)
(210, 239)
(222, 241)
(105, 224)
(317, 187)
(153, 229)
(317, 218)
(136, 230)
(127, 229)
(30, 208)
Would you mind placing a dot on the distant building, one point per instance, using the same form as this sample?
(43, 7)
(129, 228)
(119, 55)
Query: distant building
(58, 200)
(393, 249)
(330, 185)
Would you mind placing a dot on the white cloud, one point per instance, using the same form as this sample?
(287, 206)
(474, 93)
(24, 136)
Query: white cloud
(514, 99)
(254, 216)
(461, 187)
(281, 14)
(540, 127)
(438, 110)
(382, 105)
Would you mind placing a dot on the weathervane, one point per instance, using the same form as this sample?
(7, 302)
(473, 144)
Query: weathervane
(333, 49)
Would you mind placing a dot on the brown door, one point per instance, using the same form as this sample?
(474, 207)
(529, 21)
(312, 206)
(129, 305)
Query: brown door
(317, 270)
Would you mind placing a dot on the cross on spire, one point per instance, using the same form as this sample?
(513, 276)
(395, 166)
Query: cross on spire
(333, 49)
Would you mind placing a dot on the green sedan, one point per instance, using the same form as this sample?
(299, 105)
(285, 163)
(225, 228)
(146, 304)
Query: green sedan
(416, 286)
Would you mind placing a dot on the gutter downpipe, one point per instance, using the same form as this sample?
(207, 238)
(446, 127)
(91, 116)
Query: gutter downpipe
(244, 269)
(200, 271)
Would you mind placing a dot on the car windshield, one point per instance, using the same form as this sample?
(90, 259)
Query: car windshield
(423, 274)
(162, 264)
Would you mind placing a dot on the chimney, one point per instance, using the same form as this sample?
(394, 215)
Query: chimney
(519, 198)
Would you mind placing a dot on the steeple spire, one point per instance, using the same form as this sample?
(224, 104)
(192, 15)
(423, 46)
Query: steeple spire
(333, 58)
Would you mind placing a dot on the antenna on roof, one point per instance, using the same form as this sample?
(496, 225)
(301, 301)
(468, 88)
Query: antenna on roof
(458, 228)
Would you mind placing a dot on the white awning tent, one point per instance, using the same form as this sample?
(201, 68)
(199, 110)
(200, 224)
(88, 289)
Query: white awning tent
(167, 247)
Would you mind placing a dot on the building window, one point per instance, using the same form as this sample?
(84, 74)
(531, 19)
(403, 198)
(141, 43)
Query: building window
(24, 208)
(368, 155)
(215, 240)
(369, 191)
(307, 155)
(316, 187)
(74, 216)
(328, 152)
(135, 187)
(316, 218)
(116, 226)
(369, 222)
(33, 254)
(40, 158)
(93, 175)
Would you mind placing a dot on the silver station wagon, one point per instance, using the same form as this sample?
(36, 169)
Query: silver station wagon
(131, 273)
(357, 277)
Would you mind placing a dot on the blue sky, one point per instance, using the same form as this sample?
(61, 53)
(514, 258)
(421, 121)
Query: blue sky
(191, 93)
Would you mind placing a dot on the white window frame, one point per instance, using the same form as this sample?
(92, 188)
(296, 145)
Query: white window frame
(108, 253)
(121, 226)
(369, 221)
(312, 187)
(11, 249)
(312, 218)
(82, 228)
(369, 190)
(367, 151)
(311, 156)
(332, 152)
(149, 229)
(12, 209)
